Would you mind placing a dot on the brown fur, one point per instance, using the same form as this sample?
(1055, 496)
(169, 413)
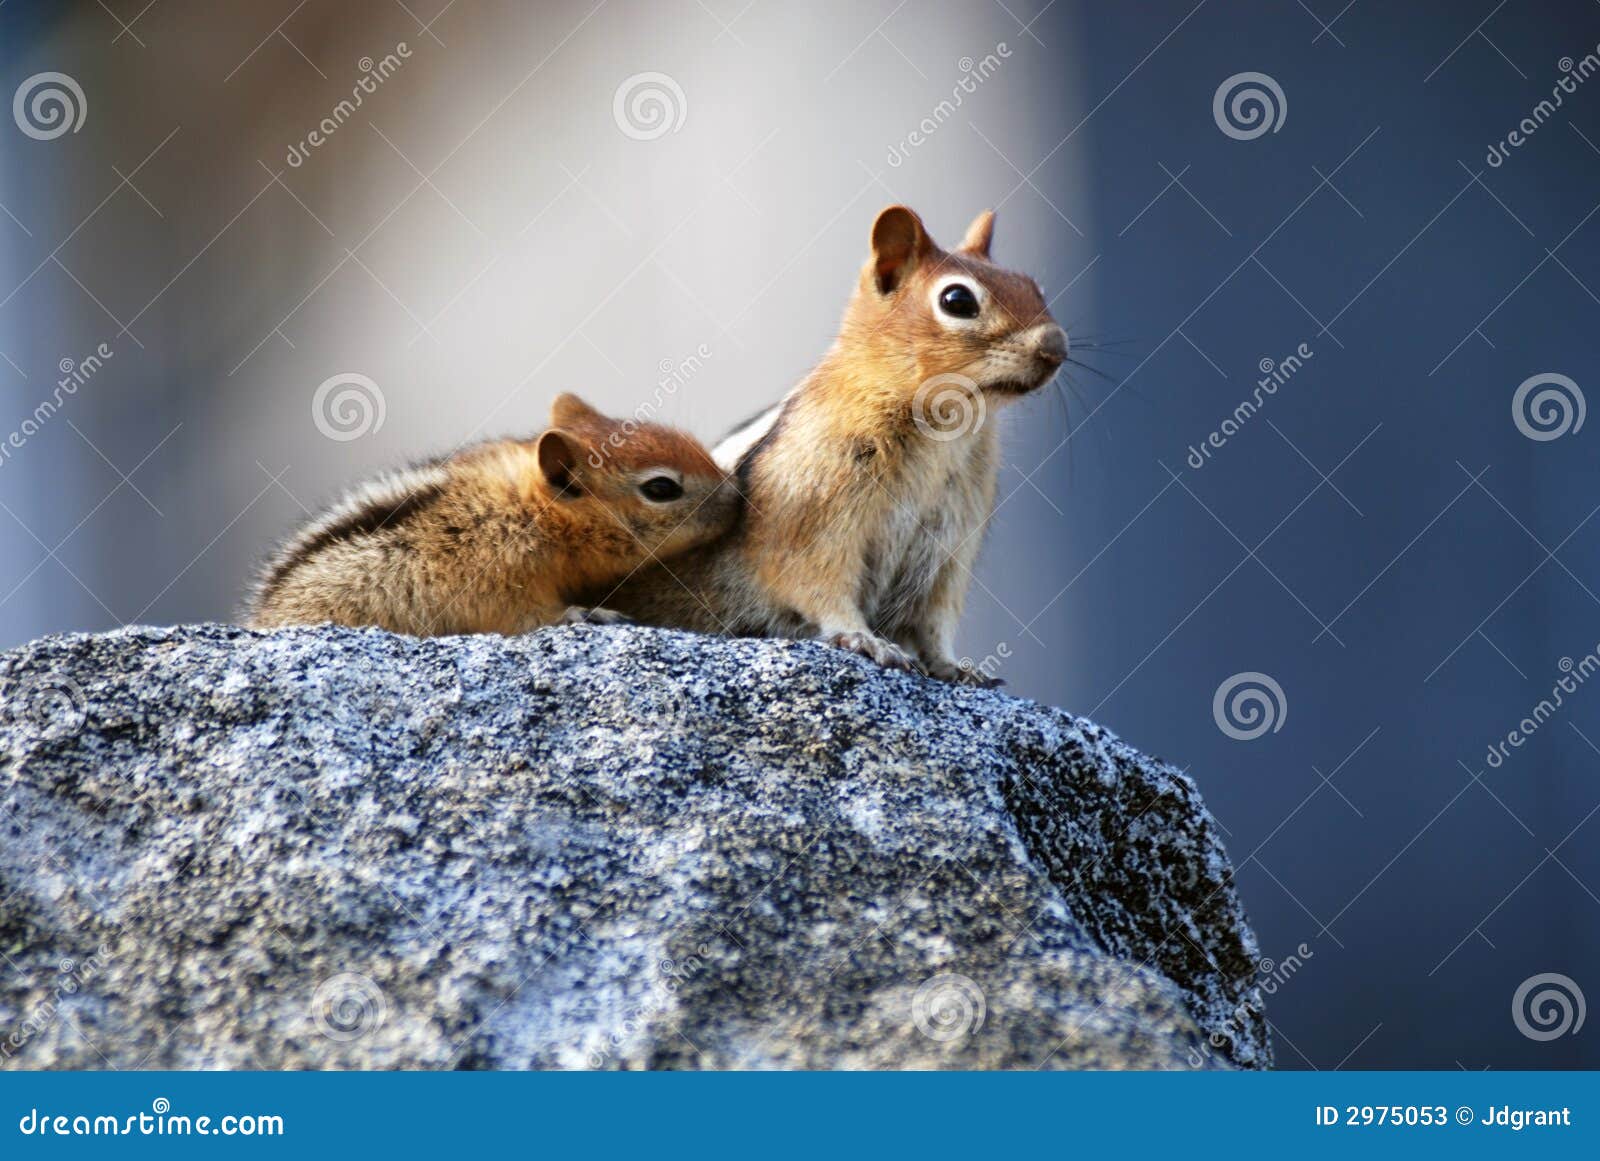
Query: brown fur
(861, 528)
(500, 537)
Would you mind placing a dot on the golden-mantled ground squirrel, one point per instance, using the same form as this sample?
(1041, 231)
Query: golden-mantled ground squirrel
(868, 487)
(498, 538)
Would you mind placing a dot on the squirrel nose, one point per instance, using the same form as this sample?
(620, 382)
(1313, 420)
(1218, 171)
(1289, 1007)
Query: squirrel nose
(1050, 343)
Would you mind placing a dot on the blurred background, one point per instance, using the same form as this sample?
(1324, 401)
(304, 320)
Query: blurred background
(251, 252)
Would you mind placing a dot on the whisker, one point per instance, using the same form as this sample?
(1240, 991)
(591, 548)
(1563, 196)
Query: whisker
(1061, 397)
(1066, 422)
(1073, 387)
(1109, 346)
(1094, 336)
(1082, 366)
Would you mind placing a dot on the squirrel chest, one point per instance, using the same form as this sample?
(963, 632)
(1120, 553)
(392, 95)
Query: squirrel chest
(935, 500)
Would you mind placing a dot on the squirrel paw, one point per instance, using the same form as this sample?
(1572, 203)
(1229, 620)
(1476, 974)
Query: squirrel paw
(578, 615)
(976, 679)
(885, 653)
(957, 674)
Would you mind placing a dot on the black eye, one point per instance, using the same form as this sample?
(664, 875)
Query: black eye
(958, 301)
(661, 488)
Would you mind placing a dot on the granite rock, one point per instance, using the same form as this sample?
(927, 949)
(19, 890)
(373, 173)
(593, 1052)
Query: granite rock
(588, 847)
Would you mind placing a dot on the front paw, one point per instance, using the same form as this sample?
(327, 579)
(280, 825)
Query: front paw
(578, 615)
(885, 653)
(977, 679)
(959, 673)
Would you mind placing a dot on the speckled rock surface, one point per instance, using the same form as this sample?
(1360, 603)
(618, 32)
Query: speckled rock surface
(587, 847)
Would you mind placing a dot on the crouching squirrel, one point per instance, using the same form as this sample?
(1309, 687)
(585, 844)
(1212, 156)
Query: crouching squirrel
(867, 489)
(499, 537)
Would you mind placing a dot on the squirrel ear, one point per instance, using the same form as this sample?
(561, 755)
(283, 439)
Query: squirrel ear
(979, 234)
(898, 243)
(568, 408)
(558, 453)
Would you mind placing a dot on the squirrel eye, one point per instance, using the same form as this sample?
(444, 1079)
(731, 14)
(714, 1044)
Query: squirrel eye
(661, 488)
(958, 301)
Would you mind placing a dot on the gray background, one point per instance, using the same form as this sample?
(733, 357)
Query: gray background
(1381, 539)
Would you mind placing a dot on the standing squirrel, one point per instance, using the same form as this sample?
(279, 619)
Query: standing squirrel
(868, 487)
(497, 538)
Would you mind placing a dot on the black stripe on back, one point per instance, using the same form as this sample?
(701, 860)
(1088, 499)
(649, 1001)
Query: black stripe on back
(741, 470)
(742, 424)
(364, 521)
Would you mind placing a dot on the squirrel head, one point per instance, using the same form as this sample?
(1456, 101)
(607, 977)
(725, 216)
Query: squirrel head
(653, 481)
(954, 313)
